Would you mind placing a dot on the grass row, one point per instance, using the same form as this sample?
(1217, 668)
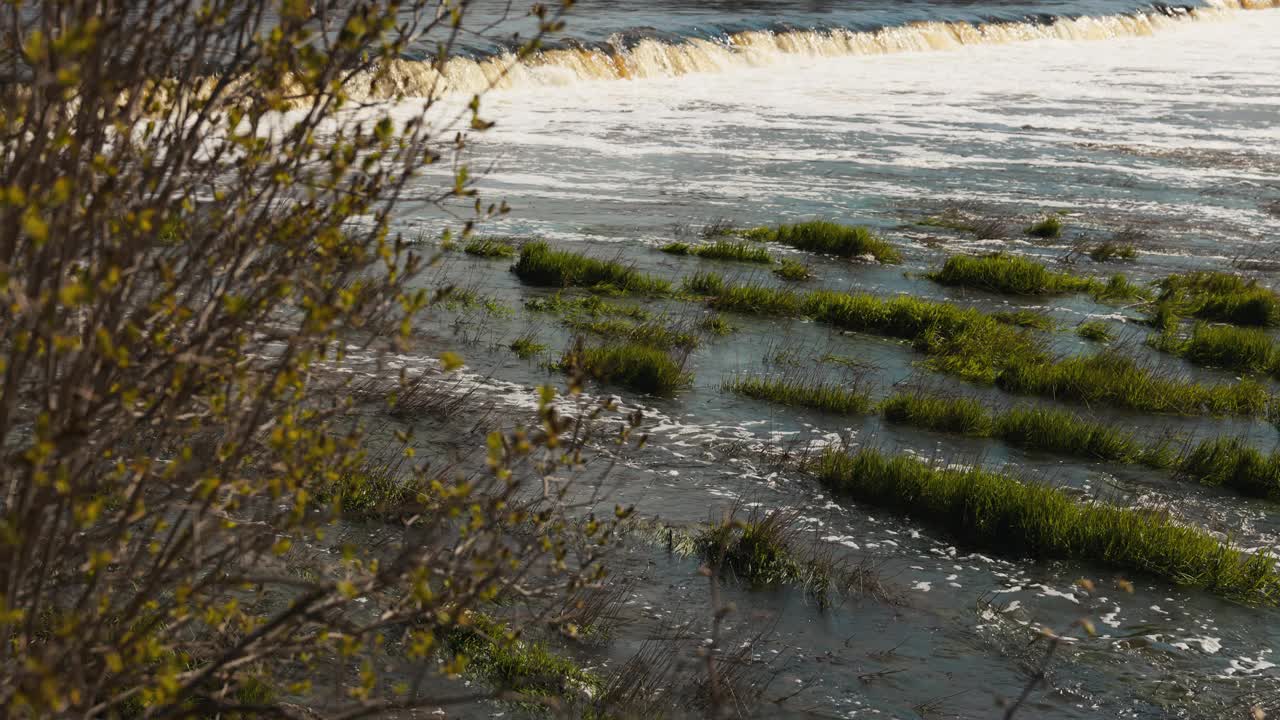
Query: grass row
(828, 238)
(1015, 275)
(1243, 349)
(977, 346)
(996, 511)
(722, 250)
(539, 264)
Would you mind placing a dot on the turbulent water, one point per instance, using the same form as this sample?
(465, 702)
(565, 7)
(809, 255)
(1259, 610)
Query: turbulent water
(645, 118)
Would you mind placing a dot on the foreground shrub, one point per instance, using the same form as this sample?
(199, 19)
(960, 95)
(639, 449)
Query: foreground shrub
(829, 238)
(638, 367)
(994, 511)
(538, 264)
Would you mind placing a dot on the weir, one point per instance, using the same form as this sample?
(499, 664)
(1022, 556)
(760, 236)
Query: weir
(650, 58)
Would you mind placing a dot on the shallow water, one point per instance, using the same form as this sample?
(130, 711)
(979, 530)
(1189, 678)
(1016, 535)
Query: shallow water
(1176, 132)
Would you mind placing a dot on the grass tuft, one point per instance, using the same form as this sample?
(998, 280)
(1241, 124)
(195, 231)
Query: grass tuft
(1228, 462)
(652, 333)
(801, 392)
(527, 346)
(716, 324)
(1110, 250)
(960, 415)
(1095, 330)
(722, 250)
(704, 283)
(496, 654)
(829, 238)
(1009, 274)
(1026, 318)
(995, 511)
(540, 265)
(1220, 297)
(1048, 228)
(636, 366)
(589, 306)
(794, 271)
(488, 247)
(1233, 348)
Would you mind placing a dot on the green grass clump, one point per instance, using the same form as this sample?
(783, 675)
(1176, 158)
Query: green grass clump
(1004, 273)
(526, 346)
(488, 247)
(716, 324)
(794, 271)
(496, 654)
(639, 367)
(1026, 318)
(372, 491)
(1048, 228)
(758, 299)
(1110, 250)
(1045, 429)
(1110, 377)
(704, 283)
(652, 333)
(998, 512)
(801, 392)
(829, 238)
(589, 306)
(1228, 462)
(1220, 297)
(538, 264)
(1234, 348)
(1095, 330)
(961, 415)
(722, 250)
(1117, 287)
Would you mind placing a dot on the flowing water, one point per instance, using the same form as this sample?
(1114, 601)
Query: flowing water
(645, 118)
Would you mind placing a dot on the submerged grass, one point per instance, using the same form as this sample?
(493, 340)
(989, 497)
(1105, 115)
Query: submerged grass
(1026, 318)
(801, 392)
(1220, 297)
(636, 366)
(1045, 429)
(1016, 275)
(996, 511)
(490, 247)
(539, 264)
(1095, 330)
(793, 271)
(1229, 462)
(527, 346)
(721, 250)
(828, 238)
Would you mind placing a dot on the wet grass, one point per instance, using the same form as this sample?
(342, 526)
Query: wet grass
(498, 656)
(1027, 319)
(588, 306)
(1109, 250)
(539, 264)
(1234, 348)
(722, 250)
(809, 392)
(716, 324)
(828, 238)
(794, 271)
(527, 346)
(653, 333)
(635, 366)
(1220, 297)
(705, 284)
(1113, 378)
(489, 247)
(1008, 274)
(761, 551)
(1048, 228)
(1229, 462)
(996, 511)
(1046, 429)
(1095, 330)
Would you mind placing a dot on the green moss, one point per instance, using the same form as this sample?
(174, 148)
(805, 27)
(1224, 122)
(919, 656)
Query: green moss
(1004, 273)
(1220, 297)
(1026, 318)
(1048, 228)
(794, 271)
(538, 264)
(1106, 251)
(829, 238)
(639, 367)
(1228, 462)
(488, 247)
(995, 511)
(722, 250)
(801, 392)
(1095, 330)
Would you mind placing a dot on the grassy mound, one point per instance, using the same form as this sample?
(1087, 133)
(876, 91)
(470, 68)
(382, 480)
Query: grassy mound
(538, 264)
(721, 250)
(811, 393)
(635, 366)
(829, 238)
(1221, 297)
(998, 512)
